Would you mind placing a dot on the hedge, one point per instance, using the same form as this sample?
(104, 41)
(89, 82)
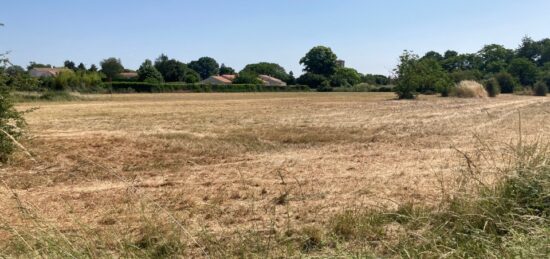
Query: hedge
(142, 87)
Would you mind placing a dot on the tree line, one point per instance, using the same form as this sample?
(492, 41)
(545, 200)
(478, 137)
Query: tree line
(502, 70)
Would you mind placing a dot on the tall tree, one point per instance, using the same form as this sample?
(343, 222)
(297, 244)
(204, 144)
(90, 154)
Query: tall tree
(81, 67)
(111, 67)
(495, 58)
(69, 64)
(524, 70)
(205, 66)
(175, 71)
(320, 60)
(225, 70)
(148, 73)
(93, 68)
(529, 49)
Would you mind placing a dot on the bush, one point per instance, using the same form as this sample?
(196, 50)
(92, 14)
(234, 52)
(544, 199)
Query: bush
(507, 82)
(540, 89)
(11, 125)
(492, 87)
(311, 80)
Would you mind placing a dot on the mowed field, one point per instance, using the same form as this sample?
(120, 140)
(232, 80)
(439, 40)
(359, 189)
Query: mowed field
(228, 163)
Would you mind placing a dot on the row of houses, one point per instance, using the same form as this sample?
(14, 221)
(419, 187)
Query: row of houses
(228, 79)
(213, 80)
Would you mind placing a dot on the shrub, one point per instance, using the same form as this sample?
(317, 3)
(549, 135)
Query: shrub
(11, 124)
(492, 87)
(507, 82)
(311, 80)
(541, 89)
(470, 89)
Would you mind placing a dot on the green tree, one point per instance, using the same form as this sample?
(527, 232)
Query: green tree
(111, 67)
(320, 60)
(205, 66)
(345, 77)
(291, 79)
(433, 55)
(175, 71)
(148, 73)
(312, 80)
(93, 68)
(524, 70)
(69, 64)
(270, 69)
(33, 64)
(529, 49)
(495, 58)
(416, 75)
(225, 70)
(81, 67)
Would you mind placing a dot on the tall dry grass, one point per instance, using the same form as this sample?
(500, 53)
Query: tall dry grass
(470, 89)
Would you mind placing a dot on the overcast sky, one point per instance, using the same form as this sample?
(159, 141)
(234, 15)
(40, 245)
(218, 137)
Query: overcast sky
(368, 35)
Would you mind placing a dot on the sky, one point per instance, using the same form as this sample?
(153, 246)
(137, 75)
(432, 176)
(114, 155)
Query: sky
(368, 34)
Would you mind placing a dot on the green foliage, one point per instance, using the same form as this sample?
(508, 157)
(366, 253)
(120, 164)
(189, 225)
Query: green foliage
(148, 73)
(81, 67)
(312, 80)
(495, 58)
(524, 70)
(462, 75)
(506, 82)
(81, 81)
(33, 64)
(320, 60)
(247, 77)
(265, 68)
(69, 65)
(541, 88)
(11, 123)
(492, 87)
(225, 70)
(325, 87)
(345, 77)
(375, 79)
(175, 71)
(205, 66)
(93, 68)
(416, 75)
(111, 67)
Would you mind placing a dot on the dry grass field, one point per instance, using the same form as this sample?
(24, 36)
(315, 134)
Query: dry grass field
(215, 166)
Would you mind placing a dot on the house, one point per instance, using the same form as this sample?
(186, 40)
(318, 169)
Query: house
(228, 79)
(45, 72)
(271, 81)
(218, 80)
(127, 75)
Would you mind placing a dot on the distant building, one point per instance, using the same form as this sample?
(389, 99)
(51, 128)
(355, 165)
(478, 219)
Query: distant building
(46, 72)
(127, 75)
(228, 79)
(341, 63)
(271, 81)
(217, 80)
